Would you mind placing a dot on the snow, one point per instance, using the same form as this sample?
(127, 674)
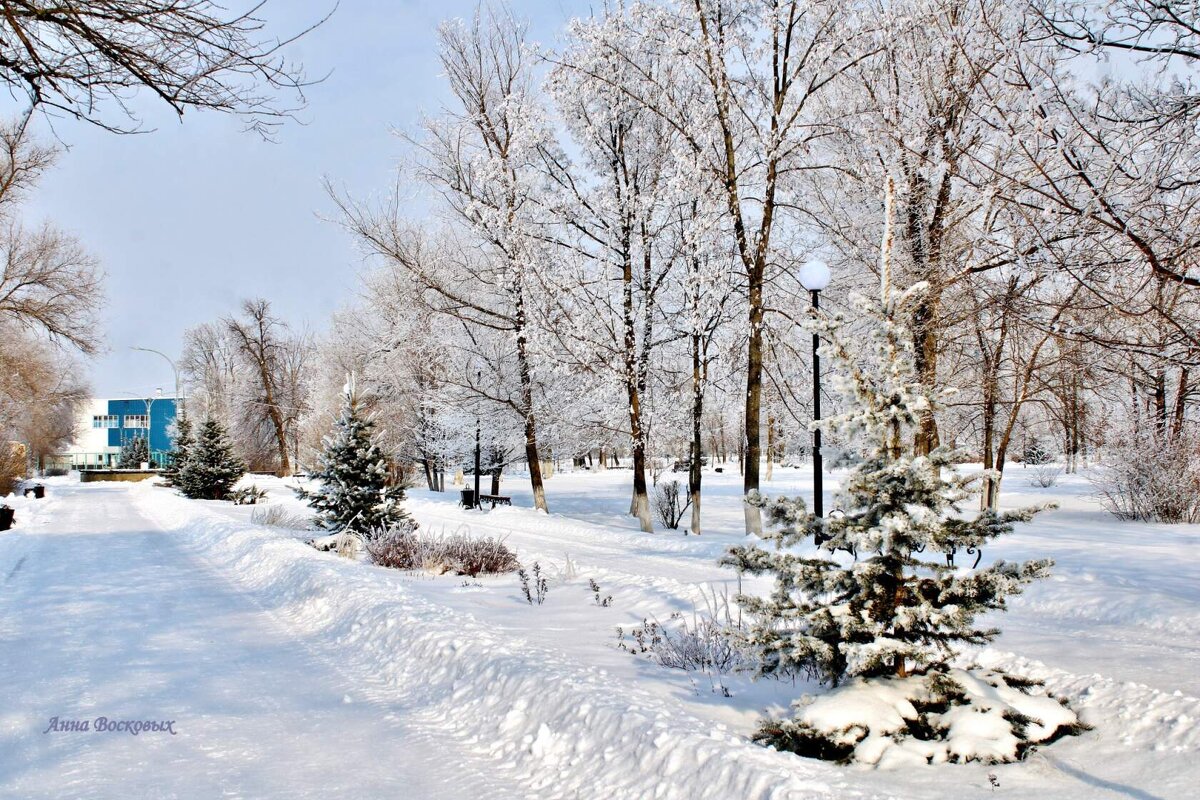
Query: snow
(252, 640)
(102, 615)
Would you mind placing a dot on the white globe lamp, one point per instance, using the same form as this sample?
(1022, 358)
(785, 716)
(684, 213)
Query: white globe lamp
(814, 276)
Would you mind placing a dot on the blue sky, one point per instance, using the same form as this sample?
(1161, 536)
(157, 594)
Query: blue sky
(195, 216)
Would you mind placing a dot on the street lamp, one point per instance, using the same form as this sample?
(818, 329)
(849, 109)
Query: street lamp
(174, 368)
(814, 276)
(478, 503)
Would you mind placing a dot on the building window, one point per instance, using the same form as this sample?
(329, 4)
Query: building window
(104, 421)
(137, 421)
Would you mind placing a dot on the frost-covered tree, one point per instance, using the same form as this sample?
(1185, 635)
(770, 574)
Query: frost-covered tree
(741, 89)
(134, 453)
(181, 443)
(483, 156)
(614, 204)
(354, 490)
(210, 469)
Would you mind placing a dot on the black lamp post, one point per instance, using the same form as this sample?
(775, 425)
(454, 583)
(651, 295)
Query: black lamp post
(814, 276)
(478, 504)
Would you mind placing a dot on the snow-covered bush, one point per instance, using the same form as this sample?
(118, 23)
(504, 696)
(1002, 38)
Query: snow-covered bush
(280, 517)
(943, 715)
(210, 469)
(881, 598)
(404, 547)
(346, 543)
(668, 505)
(703, 644)
(712, 642)
(1045, 475)
(1152, 475)
(248, 496)
(1036, 453)
(355, 489)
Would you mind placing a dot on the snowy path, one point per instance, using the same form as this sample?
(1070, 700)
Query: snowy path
(130, 602)
(102, 614)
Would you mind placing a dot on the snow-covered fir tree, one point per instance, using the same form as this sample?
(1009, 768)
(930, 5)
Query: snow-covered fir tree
(210, 468)
(355, 491)
(134, 453)
(883, 598)
(179, 451)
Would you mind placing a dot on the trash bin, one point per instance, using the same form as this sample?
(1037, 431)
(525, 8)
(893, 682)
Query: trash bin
(7, 517)
(468, 498)
(39, 491)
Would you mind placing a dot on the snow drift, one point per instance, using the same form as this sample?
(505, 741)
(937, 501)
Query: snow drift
(555, 726)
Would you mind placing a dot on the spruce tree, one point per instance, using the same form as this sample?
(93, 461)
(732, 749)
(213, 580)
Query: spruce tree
(354, 491)
(134, 453)
(889, 592)
(210, 469)
(178, 455)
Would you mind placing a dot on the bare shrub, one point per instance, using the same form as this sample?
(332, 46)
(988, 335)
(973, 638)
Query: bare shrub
(536, 587)
(1045, 475)
(712, 642)
(603, 602)
(703, 644)
(670, 503)
(1153, 476)
(280, 517)
(405, 547)
(12, 467)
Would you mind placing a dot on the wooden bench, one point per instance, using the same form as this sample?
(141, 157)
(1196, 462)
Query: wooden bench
(495, 499)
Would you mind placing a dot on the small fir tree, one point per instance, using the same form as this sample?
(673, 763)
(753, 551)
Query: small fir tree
(179, 452)
(210, 468)
(882, 599)
(134, 453)
(1036, 453)
(896, 607)
(354, 490)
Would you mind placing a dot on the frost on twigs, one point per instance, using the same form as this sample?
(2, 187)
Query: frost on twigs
(534, 586)
(670, 503)
(945, 715)
(405, 547)
(878, 609)
(712, 643)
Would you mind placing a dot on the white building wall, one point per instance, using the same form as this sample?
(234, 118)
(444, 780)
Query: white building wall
(90, 439)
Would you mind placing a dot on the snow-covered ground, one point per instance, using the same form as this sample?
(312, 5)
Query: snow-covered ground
(292, 673)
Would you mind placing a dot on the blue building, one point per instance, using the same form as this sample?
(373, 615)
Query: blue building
(106, 425)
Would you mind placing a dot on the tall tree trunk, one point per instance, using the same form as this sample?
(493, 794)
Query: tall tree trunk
(530, 419)
(991, 484)
(639, 505)
(1160, 400)
(925, 361)
(770, 447)
(1181, 395)
(754, 371)
(741, 452)
(694, 473)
